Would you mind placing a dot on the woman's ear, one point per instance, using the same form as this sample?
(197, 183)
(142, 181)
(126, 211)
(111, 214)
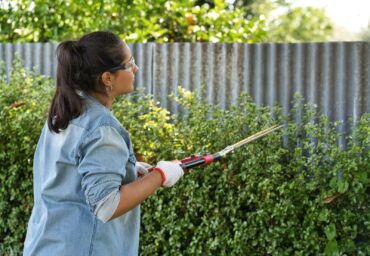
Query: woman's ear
(107, 78)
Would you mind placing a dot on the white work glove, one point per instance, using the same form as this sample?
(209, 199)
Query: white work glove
(142, 168)
(171, 172)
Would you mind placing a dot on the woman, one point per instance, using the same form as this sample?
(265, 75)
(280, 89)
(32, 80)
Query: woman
(86, 187)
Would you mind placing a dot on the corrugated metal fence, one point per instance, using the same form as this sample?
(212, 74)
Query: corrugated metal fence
(334, 75)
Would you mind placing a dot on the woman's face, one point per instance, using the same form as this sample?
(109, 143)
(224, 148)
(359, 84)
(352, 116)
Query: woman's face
(123, 79)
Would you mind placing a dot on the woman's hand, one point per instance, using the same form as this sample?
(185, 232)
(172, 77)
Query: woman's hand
(171, 172)
(142, 168)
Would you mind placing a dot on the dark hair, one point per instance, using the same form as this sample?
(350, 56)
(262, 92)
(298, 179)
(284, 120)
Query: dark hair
(80, 65)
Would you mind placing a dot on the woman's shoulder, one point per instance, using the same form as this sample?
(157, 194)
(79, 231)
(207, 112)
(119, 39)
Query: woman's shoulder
(95, 116)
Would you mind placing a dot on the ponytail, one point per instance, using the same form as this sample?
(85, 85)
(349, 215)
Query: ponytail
(66, 104)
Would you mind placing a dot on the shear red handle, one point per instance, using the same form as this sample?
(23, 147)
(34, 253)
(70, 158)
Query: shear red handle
(196, 160)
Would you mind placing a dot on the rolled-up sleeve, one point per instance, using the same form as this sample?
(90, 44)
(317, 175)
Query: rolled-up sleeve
(104, 155)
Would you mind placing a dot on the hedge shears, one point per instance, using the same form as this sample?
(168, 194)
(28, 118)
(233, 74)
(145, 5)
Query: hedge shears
(202, 160)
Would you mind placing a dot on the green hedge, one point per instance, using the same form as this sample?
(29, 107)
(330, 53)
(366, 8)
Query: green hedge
(294, 192)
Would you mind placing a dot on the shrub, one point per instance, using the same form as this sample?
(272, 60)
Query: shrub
(293, 192)
(23, 104)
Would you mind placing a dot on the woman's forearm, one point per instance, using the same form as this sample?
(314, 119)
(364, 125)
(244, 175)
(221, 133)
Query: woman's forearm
(136, 192)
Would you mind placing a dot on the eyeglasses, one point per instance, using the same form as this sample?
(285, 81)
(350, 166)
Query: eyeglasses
(127, 67)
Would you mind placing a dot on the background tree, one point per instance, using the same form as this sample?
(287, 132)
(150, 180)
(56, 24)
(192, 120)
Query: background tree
(160, 20)
(365, 34)
(135, 20)
(300, 24)
(285, 22)
(55, 20)
(258, 7)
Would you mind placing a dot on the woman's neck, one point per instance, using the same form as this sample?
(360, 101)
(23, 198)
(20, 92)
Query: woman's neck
(105, 100)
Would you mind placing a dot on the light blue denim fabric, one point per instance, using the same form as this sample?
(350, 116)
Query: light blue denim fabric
(73, 171)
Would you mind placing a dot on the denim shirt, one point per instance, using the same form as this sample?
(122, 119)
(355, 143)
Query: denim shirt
(73, 171)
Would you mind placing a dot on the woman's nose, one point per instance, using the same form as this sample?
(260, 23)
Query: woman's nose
(136, 68)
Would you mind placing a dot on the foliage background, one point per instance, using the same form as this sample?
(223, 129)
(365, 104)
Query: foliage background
(294, 192)
(162, 20)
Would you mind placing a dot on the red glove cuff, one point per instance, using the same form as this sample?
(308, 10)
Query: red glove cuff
(162, 174)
